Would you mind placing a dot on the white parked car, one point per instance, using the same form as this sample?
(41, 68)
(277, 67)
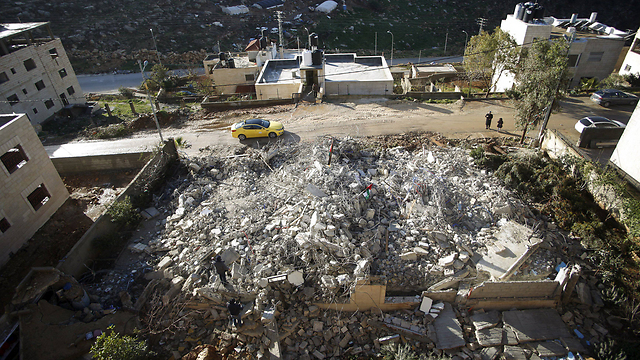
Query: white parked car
(597, 122)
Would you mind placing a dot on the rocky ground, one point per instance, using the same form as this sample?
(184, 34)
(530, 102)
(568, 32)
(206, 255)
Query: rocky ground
(406, 215)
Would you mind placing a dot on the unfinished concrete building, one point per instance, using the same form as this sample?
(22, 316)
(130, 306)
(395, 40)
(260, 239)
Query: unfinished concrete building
(29, 183)
(36, 77)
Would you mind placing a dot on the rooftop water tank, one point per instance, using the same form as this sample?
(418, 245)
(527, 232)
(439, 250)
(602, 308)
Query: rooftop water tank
(222, 56)
(231, 63)
(316, 57)
(519, 12)
(306, 58)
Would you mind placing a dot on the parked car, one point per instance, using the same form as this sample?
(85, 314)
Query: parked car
(597, 122)
(256, 128)
(608, 97)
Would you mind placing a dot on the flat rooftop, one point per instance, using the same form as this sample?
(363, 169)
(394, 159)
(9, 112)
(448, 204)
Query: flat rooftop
(440, 68)
(348, 67)
(280, 71)
(12, 29)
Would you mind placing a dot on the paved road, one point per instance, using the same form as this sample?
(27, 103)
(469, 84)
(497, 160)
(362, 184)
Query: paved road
(468, 124)
(110, 83)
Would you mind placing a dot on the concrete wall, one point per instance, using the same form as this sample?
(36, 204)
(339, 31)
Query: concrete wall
(590, 137)
(557, 146)
(226, 105)
(357, 87)
(525, 33)
(515, 294)
(226, 80)
(625, 156)
(24, 220)
(278, 90)
(70, 165)
(631, 63)
(83, 253)
(47, 70)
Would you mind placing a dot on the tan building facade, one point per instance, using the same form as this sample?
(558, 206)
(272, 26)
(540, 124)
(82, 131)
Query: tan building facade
(31, 189)
(36, 77)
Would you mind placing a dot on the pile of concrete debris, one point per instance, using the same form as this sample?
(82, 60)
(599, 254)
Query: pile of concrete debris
(311, 228)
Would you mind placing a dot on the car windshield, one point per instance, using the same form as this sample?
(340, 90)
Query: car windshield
(261, 122)
(585, 122)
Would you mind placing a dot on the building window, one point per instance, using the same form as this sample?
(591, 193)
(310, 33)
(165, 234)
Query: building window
(35, 111)
(63, 97)
(62, 73)
(573, 60)
(29, 64)
(14, 159)
(38, 197)
(24, 91)
(595, 56)
(13, 99)
(627, 67)
(250, 77)
(71, 90)
(48, 104)
(54, 53)
(13, 71)
(635, 47)
(4, 225)
(40, 85)
(3, 77)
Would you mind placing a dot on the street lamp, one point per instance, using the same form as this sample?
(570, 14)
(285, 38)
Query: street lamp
(155, 46)
(155, 117)
(389, 31)
(465, 41)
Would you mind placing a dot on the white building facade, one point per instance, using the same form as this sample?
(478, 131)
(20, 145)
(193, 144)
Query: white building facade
(594, 51)
(631, 64)
(36, 77)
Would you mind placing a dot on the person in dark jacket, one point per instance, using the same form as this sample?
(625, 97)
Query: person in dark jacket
(222, 269)
(235, 308)
(488, 119)
(500, 123)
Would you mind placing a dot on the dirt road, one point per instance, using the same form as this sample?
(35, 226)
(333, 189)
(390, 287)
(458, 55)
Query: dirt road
(364, 117)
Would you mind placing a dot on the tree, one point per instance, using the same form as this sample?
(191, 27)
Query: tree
(540, 78)
(488, 56)
(159, 78)
(114, 346)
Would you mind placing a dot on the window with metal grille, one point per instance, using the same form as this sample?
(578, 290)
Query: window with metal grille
(63, 97)
(48, 104)
(71, 90)
(39, 197)
(62, 73)
(14, 159)
(29, 64)
(40, 85)
(13, 99)
(4, 225)
(595, 56)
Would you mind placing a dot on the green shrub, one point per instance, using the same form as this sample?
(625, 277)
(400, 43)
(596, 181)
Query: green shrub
(633, 79)
(111, 131)
(126, 92)
(113, 346)
(612, 81)
(123, 213)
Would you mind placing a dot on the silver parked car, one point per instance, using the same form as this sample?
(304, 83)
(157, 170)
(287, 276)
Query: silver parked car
(597, 122)
(608, 97)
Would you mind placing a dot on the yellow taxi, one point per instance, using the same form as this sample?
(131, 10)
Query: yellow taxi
(256, 128)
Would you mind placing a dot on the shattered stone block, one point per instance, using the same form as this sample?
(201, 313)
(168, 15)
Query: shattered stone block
(315, 191)
(165, 262)
(370, 214)
(420, 251)
(388, 339)
(409, 256)
(295, 278)
(230, 256)
(137, 248)
(329, 281)
(425, 305)
(345, 340)
(447, 260)
(318, 326)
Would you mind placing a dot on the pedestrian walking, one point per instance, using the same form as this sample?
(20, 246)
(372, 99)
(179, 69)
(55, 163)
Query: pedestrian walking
(235, 308)
(488, 118)
(222, 269)
(500, 123)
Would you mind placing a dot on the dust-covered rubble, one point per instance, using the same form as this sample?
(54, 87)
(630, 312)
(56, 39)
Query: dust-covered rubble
(298, 230)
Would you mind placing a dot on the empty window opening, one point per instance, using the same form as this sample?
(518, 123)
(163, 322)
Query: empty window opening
(35, 111)
(250, 77)
(40, 85)
(573, 60)
(3, 77)
(29, 64)
(13, 99)
(64, 99)
(54, 53)
(13, 71)
(627, 67)
(39, 197)
(62, 73)
(48, 104)
(4, 225)
(14, 159)
(595, 56)
(24, 91)
(71, 90)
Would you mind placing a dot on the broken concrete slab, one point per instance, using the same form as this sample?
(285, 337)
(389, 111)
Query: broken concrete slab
(489, 353)
(549, 348)
(490, 336)
(535, 325)
(448, 331)
(485, 320)
(514, 353)
(513, 245)
(425, 304)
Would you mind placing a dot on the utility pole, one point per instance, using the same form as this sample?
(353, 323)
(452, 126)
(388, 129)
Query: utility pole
(279, 14)
(482, 22)
(155, 46)
(446, 39)
(375, 52)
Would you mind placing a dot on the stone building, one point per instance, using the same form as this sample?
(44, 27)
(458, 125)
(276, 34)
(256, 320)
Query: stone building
(30, 186)
(36, 77)
(595, 47)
